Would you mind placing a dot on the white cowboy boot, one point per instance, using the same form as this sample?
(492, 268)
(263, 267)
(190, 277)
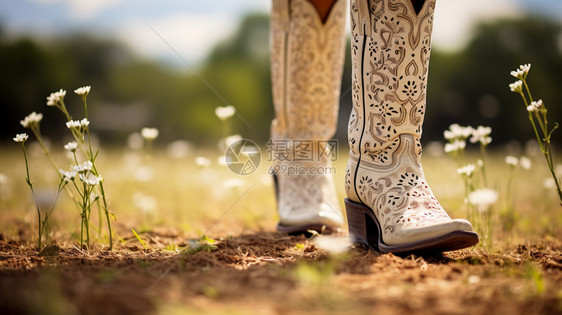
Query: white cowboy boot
(306, 66)
(390, 205)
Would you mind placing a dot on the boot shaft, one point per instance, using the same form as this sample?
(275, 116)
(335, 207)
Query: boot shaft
(390, 204)
(390, 51)
(306, 67)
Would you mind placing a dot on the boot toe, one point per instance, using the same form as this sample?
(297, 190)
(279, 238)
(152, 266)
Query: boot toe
(419, 234)
(327, 216)
(462, 225)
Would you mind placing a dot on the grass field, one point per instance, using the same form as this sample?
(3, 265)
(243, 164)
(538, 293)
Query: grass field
(169, 201)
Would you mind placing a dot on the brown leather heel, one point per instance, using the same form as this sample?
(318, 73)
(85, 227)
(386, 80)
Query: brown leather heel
(364, 228)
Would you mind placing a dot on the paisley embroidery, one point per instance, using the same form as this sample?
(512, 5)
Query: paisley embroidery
(306, 68)
(391, 62)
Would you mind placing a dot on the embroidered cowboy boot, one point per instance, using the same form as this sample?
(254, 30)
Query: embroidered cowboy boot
(389, 204)
(307, 57)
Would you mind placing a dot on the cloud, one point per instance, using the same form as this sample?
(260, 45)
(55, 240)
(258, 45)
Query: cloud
(455, 19)
(83, 9)
(193, 28)
(191, 36)
(91, 8)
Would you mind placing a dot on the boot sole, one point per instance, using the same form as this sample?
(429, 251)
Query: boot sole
(303, 229)
(365, 228)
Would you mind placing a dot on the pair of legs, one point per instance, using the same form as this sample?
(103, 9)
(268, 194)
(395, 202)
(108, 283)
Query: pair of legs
(389, 205)
(324, 6)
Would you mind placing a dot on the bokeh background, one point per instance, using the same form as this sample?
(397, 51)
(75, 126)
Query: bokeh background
(169, 64)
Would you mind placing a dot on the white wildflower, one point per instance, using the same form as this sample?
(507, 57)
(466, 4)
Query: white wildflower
(480, 134)
(68, 175)
(457, 132)
(202, 161)
(449, 135)
(483, 198)
(455, 146)
(466, 170)
(450, 147)
(511, 160)
(516, 86)
(535, 106)
(465, 132)
(71, 146)
(486, 140)
(82, 168)
(83, 91)
(334, 245)
(72, 124)
(232, 139)
(517, 73)
(21, 137)
(90, 179)
(179, 149)
(522, 72)
(532, 109)
(549, 183)
(149, 133)
(225, 112)
(232, 183)
(31, 119)
(525, 163)
(84, 123)
(56, 98)
(480, 162)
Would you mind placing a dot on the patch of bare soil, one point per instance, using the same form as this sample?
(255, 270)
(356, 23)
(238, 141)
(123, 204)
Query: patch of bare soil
(272, 273)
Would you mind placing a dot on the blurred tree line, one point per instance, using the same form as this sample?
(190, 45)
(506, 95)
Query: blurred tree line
(469, 87)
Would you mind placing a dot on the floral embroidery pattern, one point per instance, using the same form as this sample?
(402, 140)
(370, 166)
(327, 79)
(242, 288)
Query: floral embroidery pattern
(307, 58)
(390, 52)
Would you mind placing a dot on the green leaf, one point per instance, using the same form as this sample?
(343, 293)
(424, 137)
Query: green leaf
(203, 244)
(138, 238)
(172, 247)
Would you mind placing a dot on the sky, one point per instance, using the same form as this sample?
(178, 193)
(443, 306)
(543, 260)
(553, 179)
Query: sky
(192, 27)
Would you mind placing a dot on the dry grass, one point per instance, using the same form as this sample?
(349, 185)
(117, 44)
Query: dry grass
(255, 270)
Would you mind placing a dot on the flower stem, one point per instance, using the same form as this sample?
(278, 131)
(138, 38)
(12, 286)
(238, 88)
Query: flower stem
(30, 184)
(483, 167)
(544, 143)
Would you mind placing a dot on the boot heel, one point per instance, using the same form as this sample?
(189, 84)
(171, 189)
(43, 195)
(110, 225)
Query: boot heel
(363, 228)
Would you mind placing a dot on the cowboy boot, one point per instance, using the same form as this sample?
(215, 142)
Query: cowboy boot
(389, 204)
(307, 57)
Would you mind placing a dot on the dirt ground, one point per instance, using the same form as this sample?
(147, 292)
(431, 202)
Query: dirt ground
(271, 273)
